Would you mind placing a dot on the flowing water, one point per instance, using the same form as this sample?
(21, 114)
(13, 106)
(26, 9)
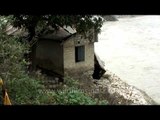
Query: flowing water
(130, 48)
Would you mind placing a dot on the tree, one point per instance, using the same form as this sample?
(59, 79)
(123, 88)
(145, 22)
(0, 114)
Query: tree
(37, 24)
(26, 89)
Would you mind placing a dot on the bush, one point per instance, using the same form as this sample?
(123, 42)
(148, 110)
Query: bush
(25, 89)
(73, 96)
(22, 89)
(70, 82)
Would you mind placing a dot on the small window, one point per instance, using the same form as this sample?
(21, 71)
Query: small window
(79, 53)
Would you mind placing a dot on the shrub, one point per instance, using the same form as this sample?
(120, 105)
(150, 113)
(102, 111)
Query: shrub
(73, 97)
(71, 94)
(70, 82)
(22, 89)
(25, 89)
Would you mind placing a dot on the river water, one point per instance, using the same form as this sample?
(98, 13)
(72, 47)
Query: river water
(130, 48)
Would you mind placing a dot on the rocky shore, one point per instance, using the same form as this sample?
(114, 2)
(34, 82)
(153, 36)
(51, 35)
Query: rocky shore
(117, 92)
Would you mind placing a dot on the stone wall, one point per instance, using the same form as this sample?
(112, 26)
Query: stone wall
(49, 55)
(60, 57)
(70, 66)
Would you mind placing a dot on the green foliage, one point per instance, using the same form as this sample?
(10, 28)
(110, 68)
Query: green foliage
(73, 97)
(70, 82)
(46, 97)
(71, 94)
(36, 24)
(25, 89)
(22, 89)
(11, 55)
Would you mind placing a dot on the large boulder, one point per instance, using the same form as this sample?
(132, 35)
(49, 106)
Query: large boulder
(99, 67)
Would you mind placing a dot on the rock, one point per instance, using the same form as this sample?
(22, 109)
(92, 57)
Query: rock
(110, 18)
(118, 92)
(125, 16)
(111, 88)
(99, 67)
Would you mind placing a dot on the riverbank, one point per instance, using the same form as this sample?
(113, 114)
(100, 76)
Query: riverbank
(119, 92)
(113, 89)
(130, 49)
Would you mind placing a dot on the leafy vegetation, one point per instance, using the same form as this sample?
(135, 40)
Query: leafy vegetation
(73, 96)
(13, 68)
(37, 24)
(24, 88)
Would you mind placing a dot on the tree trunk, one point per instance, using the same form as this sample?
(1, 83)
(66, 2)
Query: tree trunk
(33, 57)
(32, 54)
